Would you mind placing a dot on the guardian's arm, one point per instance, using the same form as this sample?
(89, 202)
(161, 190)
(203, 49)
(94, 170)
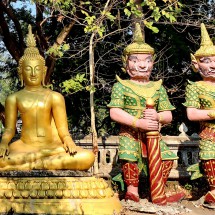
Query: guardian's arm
(195, 114)
(122, 117)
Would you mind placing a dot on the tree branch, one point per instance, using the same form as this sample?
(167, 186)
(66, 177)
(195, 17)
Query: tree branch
(50, 62)
(15, 48)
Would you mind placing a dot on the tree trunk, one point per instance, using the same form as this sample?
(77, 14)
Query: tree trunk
(92, 110)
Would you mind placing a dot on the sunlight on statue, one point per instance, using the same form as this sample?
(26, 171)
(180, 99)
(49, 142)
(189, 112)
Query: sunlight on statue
(45, 142)
(200, 104)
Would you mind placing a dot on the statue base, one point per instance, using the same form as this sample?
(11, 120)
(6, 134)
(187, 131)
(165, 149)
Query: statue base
(48, 192)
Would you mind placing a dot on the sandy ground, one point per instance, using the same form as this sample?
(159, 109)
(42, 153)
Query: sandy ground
(184, 208)
(192, 204)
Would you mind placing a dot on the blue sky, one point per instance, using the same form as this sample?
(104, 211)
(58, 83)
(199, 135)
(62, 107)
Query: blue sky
(28, 4)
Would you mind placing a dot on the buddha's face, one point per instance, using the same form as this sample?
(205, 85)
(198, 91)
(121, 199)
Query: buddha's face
(139, 66)
(206, 67)
(33, 72)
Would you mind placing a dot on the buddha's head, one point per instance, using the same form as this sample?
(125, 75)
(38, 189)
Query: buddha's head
(138, 57)
(32, 69)
(203, 61)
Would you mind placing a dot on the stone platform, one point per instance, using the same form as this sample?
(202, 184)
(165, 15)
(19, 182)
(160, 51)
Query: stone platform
(56, 192)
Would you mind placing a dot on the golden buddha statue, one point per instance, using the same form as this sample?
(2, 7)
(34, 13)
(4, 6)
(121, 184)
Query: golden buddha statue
(45, 142)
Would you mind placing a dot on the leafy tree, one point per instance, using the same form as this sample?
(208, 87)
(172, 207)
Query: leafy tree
(64, 28)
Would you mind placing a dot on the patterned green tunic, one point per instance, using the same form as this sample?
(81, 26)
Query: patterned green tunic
(131, 97)
(200, 95)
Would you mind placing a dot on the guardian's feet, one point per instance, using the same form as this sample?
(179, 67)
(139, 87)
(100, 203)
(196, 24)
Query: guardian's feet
(132, 196)
(209, 200)
(176, 197)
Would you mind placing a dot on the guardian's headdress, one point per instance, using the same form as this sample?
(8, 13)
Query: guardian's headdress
(138, 46)
(206, 47)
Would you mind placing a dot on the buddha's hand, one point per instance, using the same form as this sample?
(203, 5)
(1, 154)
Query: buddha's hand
(69, 145)
(4, 150)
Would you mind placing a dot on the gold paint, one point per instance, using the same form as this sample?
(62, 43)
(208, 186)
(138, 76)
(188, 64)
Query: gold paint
(146, 91)
(44, 133)
(207, 87)
(150, 102)
(45, 186)
(42, 193)
(61, 185)
(59, 193)
(25, 193)
(212, 114)
(66, 194)
(33, 193)
(84, 193)
(11, 186)
(75, 193)
(51, 193)
(1, 193)
(45, 142)
(53, 186)
(8, 194)
(138, 45)
(137, 107)
(16, 194)
(206, 48)
(152, 133)
(92, 193)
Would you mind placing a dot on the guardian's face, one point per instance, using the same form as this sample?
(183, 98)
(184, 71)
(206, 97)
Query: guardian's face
(206, 67)
(139, 66)
(33, 72)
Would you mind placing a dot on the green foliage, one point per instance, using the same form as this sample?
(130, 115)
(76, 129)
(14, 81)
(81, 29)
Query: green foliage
(65, 5)
(74, 85)
(8, 77)
(109, 16)
(169, 42)
(133, 9)
(169, 10)
(150, 26)
(92, 26)
(8, 85)
(93, 23)
(91, 88)
(58, 50)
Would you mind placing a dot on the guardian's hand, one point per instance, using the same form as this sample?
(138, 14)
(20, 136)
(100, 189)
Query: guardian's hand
(147, 125)
(151, 114)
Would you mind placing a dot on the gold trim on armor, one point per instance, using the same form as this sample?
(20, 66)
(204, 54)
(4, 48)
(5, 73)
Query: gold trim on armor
(129, 152)
(142, 90)
(209, 125)
(138, 107)
(207, 87)
(211, 100)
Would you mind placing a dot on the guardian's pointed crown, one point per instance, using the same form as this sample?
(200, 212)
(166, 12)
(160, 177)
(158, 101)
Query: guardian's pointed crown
(138, 45)
(206, 47)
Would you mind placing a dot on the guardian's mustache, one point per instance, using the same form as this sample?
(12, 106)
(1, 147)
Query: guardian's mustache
(141, 70)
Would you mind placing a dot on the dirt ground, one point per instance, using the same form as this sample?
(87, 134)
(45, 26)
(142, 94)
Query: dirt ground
(191, 209)
(192, 204)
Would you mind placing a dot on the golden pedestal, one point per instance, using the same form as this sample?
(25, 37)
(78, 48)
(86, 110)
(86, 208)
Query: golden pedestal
(57, 195)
